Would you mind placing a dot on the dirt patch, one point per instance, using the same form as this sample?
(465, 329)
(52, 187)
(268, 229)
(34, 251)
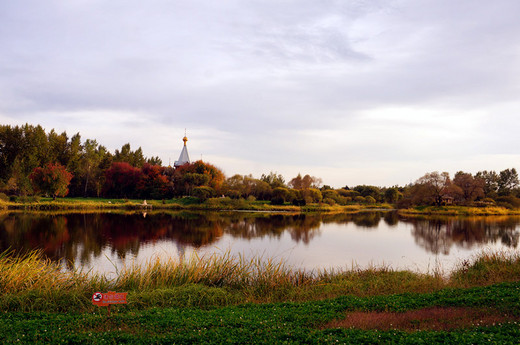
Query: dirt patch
(435, 319)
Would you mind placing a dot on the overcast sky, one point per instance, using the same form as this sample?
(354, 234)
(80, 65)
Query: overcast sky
(352, 91)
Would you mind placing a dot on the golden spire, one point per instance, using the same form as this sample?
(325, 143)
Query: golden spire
(185, 139)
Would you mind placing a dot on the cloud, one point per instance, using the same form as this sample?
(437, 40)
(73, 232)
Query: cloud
(329, 87)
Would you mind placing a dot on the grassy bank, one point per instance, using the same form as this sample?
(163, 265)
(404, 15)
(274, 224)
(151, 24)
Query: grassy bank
(186, 203)
(212, 301)
(30, 283)
(459, 211)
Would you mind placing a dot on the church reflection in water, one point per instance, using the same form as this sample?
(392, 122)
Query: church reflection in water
(81, 237)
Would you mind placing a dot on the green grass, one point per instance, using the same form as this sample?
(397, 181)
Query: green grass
(280, 323)
(184, 203)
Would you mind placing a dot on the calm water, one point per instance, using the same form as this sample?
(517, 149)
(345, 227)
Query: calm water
(104, 241)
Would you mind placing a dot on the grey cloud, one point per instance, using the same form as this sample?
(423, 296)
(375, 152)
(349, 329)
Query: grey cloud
(250, 67)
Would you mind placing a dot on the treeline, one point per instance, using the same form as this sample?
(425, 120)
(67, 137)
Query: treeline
(33, 162)
(25, 148)
(481, 189)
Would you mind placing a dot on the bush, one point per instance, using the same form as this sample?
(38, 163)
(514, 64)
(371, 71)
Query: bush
(189, 200)
(4, 197)
(359, 199)
(508, 201)
(281, 195)
(233, 194)
(329, 201)
(299, 202)
(348, 193)
(370, 200)
(203, 192)
(404, 203)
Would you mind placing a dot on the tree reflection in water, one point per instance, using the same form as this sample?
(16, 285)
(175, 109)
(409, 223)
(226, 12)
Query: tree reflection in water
(438, 234)
(82, 237)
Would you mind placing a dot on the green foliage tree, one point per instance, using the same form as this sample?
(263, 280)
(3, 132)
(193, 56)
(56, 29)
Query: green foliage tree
(53, 179)
(490, 182)
(281, 195)
(392, 195)
(134, 158)
(273, 179)
(507, 181)
(373, 191)
(203, 193)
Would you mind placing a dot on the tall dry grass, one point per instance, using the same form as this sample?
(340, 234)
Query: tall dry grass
(31, 282)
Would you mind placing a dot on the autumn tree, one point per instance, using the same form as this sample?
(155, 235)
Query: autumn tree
(430, 188)
(152, 182)
(121, 180)
(199, 173)
(52, 179)
(469, 187)
(305, 182)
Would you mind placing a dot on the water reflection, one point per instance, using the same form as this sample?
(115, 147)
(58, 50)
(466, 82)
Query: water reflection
(82, 237)
(439, 234)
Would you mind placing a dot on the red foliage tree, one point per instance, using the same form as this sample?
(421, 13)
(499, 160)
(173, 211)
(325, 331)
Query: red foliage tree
(52, 179)
(121, 180)
(153, 183)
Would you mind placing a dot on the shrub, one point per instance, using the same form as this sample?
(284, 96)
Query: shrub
(4, 197)
(370, 200)
(404, 203)
(359, 199)
(203, 192)
(348, 193)
(508, 201)
(281, 195)
(329, 201)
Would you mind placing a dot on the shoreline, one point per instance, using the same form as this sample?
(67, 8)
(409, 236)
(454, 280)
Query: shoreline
(241, 205)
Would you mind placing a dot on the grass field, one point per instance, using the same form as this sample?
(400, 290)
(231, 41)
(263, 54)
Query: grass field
(315, 322)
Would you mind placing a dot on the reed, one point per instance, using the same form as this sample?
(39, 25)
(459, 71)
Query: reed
(31, 282)
(489, 267)
(217, 270)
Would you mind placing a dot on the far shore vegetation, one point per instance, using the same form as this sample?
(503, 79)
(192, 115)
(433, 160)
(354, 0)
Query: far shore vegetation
(36, 165)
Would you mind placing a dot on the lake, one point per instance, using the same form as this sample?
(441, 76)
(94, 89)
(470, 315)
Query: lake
(103, 242)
